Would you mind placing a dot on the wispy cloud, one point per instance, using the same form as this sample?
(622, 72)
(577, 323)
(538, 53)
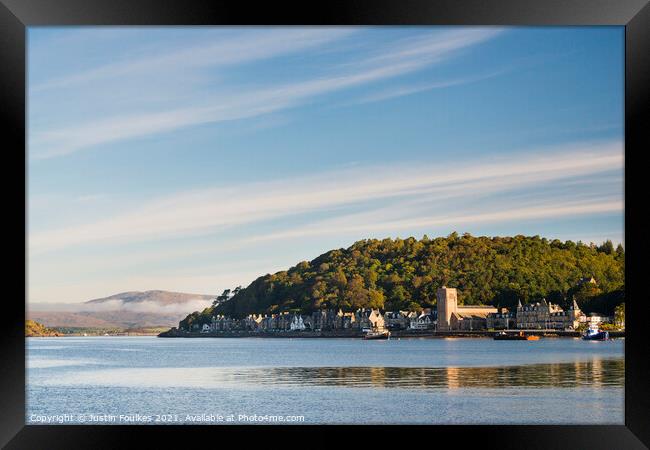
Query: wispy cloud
(545, 210)
(215, 209)
(400, 58)
(180, 178)
(415, 89)
(432, 48)
(221, 51)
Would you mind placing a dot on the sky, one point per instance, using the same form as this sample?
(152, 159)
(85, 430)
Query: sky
(196, 159)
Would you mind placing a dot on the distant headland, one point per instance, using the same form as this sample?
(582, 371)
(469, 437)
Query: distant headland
(35, 329)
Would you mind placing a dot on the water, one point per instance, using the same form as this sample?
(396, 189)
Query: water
(350, 381)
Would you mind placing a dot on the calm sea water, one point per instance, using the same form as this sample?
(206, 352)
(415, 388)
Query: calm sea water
(252, 380)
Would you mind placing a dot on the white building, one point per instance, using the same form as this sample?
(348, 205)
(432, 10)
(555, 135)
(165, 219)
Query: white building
(596, 319)
(422, 322)
(297, 324)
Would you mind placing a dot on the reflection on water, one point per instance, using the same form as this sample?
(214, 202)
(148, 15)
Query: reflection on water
(594, 374)
(591, 374)
(463, 381)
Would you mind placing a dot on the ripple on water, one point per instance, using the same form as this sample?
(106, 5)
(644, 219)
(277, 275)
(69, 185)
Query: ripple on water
(44, 363)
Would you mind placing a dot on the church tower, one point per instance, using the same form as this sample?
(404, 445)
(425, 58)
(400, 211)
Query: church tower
(447, 304)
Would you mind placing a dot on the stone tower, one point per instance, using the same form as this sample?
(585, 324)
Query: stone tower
(447, 304)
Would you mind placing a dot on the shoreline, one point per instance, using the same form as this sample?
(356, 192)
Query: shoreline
(339, 334)
(96, 335)
(358, 334)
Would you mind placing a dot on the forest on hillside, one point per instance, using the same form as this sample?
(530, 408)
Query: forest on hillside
(35, 329)
(404, 274)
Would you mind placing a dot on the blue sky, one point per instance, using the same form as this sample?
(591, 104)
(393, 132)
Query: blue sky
(195, 159)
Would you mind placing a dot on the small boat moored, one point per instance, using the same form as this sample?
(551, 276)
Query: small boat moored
(503, 336)
(385, 334)
(593, 333)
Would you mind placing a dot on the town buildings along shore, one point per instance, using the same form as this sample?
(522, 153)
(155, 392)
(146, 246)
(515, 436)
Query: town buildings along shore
(449, 316)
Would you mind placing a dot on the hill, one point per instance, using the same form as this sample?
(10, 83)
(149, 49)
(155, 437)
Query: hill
(35, 329)
(121, 311)
(137, 299)
(395, 274)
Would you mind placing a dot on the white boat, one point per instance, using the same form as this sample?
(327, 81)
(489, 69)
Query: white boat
(593, 333)
(384, 334)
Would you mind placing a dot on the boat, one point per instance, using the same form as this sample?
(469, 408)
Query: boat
(593, 333)
(385, 334)
(521, 336)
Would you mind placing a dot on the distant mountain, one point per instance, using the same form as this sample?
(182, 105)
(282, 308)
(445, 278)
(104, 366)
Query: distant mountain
(124, 310)
(158, 297)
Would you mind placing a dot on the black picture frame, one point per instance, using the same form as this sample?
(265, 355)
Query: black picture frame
(16, 15)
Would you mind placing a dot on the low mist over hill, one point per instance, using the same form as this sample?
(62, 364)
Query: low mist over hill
(161, 302)
(125, 310)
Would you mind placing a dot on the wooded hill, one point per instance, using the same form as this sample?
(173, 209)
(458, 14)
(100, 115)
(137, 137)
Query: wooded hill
(394, 274)
(35, 329)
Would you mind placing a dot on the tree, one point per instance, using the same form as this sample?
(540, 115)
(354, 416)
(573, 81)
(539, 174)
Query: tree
(339, 279)
(619, 315)
(225, 295)
(413, 306)
(559, 298)
(399, 298)
(376, 299)
(620, 251)
(487, 270)
(607, 247)
(356, 295)
(584, 293)
(507, 298)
